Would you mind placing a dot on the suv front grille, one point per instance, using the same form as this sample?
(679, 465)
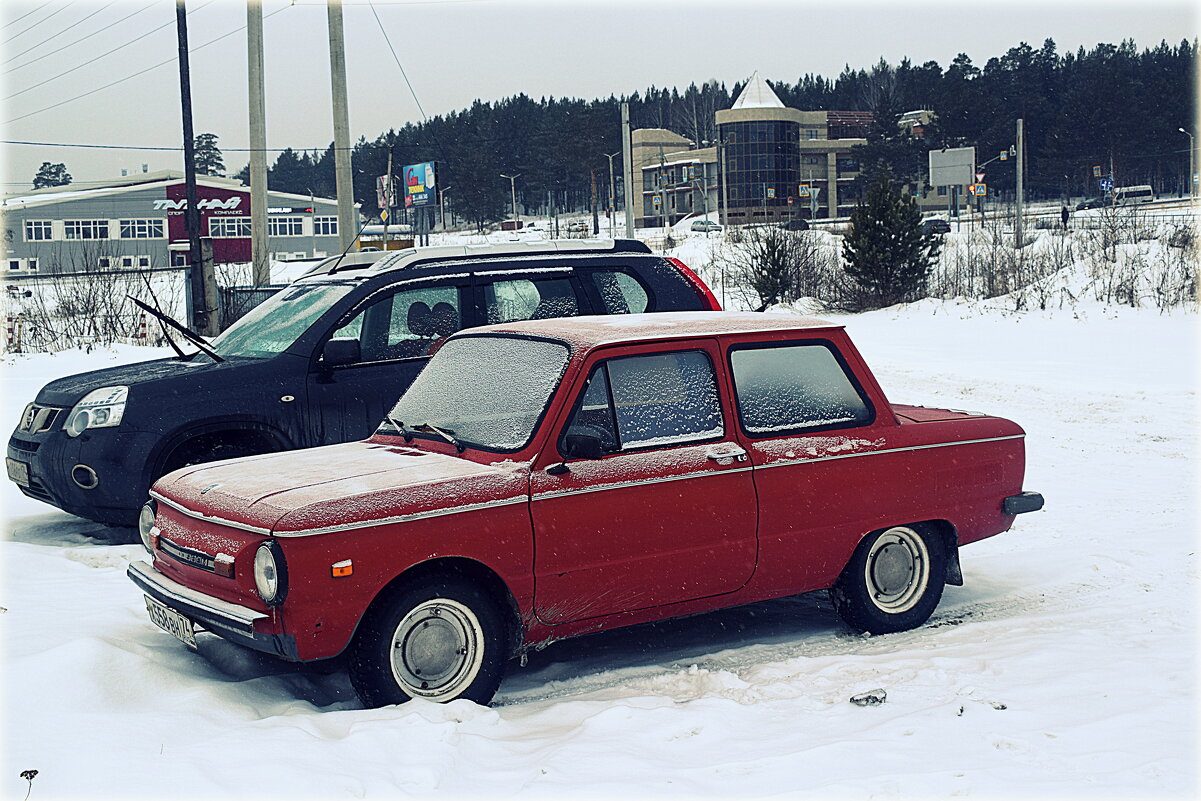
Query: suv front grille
(37, 419)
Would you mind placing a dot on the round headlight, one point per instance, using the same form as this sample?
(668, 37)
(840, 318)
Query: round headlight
(78, 422)
(270, 574)
(146, 523)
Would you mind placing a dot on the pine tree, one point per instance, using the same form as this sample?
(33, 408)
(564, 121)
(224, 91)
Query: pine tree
(51, 175)
(888, 255)
(207, 155)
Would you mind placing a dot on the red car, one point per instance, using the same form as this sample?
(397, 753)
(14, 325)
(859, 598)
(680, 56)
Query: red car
(550, 478)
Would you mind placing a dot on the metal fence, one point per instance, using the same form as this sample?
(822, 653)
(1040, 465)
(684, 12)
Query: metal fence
(237, 301)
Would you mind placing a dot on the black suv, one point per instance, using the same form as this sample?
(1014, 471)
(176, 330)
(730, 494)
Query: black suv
(318, 363)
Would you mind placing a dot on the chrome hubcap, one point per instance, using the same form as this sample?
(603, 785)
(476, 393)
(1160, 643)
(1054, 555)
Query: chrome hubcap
(897, 570)
(437, 650)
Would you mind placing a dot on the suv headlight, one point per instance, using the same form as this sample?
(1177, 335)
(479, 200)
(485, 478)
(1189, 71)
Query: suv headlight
(100, 408)
(270, 573)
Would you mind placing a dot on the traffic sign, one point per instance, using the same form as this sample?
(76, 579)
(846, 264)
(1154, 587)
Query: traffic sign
(1106, 184)
(790, 200)
(979, 177)
(803, 190)
(979, 190)
(771, 191)
(1096, 170)
(656, 200)
(1004, 155)
(383, 216)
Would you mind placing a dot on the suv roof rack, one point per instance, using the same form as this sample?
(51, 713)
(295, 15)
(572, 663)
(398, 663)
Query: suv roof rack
(374, 263)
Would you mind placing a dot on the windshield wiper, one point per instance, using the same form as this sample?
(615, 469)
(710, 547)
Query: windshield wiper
(399, 425)
(445, 433)
(194, 338)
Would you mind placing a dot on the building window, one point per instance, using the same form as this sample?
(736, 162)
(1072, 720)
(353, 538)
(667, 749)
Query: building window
(847, 164)
(143, 261)
(229, 227)
(811, 133)
(142, 229)
(813, 160)
(942, 191)
(85, 229)
(325, 226)
(38, 231)
(14, 264)
(179, 259)
(285, 226)
(32, 264)
(104, 262)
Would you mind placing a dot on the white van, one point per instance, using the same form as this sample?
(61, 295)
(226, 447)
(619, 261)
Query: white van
(1127, 195)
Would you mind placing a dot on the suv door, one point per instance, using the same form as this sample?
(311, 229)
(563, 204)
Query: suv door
(667, 514)
(396, 331)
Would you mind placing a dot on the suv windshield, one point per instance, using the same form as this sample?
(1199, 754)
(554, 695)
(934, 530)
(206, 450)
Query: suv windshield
(272, 326)
(486, 391)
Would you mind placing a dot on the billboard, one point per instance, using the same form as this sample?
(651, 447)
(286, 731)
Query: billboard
(420, 184)
(953, 166)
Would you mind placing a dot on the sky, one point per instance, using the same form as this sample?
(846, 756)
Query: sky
(67, 64)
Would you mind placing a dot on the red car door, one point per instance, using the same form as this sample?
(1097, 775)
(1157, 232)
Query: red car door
(667, 513)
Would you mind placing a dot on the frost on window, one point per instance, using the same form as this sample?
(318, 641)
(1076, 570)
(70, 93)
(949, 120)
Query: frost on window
(664, 398)
(620, 292)
(485, 391)
(792, 387)
(525, 299)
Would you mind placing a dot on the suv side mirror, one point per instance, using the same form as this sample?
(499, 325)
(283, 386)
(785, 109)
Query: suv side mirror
(340, 351)
(583, 446)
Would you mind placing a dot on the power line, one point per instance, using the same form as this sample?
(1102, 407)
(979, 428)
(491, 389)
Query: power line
(39, 22)
(81, 39)
(397, 60)
(135, 40)
(26, 14)
(61, 31)
(141, 72)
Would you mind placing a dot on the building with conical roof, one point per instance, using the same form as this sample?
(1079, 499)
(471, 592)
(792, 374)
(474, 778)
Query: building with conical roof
(770, 163)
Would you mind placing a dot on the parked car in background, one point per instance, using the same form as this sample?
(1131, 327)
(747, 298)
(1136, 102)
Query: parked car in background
(577, 229)
(317, 363)
(795, 224)
(704, 226)
(936, 225)
(1092, 203)
(550, 478)
(1132, 195)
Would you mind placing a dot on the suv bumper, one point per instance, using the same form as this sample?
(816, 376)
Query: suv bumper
(112, 455)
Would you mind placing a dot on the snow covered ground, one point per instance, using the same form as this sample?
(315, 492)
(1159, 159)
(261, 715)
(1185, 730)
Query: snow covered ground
(1066, 666)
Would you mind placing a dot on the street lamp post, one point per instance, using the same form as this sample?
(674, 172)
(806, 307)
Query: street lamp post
(513, 194)
(1192, 169)
(612, 193)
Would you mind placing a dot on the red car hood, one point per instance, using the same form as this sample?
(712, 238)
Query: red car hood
(339, 486)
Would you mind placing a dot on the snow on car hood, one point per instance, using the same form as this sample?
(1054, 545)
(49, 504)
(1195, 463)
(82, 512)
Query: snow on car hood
(340, 486)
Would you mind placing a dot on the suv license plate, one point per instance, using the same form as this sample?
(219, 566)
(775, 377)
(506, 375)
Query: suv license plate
(18, 472)
(171, 622)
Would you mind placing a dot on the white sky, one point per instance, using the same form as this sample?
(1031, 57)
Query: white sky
(456, 51)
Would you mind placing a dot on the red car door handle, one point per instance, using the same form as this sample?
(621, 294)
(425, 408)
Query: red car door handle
(734, 454)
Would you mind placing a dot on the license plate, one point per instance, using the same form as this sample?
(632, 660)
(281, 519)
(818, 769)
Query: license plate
(171, 622)
(18, 472)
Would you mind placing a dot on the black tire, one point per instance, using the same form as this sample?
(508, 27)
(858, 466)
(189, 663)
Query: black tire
(894, 580)
(440, 638)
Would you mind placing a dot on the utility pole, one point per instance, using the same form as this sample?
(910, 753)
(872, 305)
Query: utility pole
(198, 309)
(259, 246)
(337, 74)
(1021, 155)
(387, 199)
(627, 168)
(1192, 168)
(513, 194)
(612, 194)
(442, 206)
